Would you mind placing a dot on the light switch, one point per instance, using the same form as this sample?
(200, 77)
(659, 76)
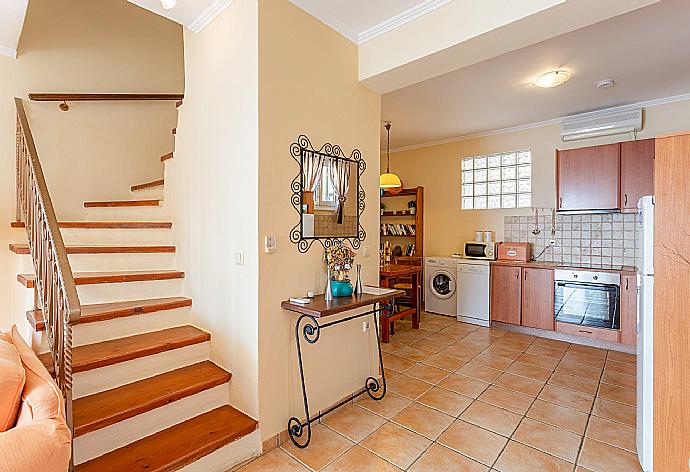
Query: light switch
(270, 245)
(239, 258)
(365, 251)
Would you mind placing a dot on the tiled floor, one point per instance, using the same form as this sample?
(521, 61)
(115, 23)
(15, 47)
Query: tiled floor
(464, 398)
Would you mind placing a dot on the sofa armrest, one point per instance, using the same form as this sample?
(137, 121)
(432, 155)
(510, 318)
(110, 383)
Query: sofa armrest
(41, 446)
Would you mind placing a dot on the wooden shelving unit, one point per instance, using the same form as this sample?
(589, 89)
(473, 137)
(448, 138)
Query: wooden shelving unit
(402, 215)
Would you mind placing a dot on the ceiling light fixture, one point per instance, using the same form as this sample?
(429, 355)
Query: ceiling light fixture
(168, 4)
(389, 180)
(552, 79)
(606, 83)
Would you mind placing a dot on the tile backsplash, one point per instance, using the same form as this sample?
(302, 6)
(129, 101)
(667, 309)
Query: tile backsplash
(595, 239)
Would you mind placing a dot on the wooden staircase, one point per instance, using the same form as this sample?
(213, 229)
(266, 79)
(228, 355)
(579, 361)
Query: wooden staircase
(146, 395)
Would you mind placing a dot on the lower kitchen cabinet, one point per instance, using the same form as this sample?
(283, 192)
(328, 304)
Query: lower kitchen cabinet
(537, 298)
(628, 309)
(506, 294)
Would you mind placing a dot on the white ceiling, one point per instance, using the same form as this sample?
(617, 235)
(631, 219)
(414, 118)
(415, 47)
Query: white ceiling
(12, 14)
(361, 20)
(194, 14)
(647, 53)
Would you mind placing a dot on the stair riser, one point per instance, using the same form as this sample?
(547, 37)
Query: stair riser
(122, 292)
(152, 193)
(143, 213)
(228, 456)
(109, 262)
(104, 440)
(106, 378)
(104, 237)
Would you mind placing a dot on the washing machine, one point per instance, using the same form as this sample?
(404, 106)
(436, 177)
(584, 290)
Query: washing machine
(441, 285)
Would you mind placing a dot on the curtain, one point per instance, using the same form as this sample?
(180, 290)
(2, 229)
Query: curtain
(312, 164)
(340, 175)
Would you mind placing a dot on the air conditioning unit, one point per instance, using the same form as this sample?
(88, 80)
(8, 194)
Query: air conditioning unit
(601, 123)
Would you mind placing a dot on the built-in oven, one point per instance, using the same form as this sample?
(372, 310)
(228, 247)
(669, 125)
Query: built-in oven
(587, 298)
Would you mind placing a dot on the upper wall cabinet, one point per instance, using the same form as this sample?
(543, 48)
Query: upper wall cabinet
(637, 172)
(588, 178)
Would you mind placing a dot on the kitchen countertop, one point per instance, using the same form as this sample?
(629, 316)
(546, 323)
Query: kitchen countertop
(623, 270)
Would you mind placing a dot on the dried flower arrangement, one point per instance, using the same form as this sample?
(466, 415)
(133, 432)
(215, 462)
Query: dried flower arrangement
(340, 260)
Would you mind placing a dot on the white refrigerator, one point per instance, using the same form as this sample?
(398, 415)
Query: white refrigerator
(645, 332)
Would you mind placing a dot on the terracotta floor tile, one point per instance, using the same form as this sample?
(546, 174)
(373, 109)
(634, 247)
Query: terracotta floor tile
(441, 459)
(429, 345)
(427, 373)
(541, 350)
(549, 439)
(353, 422)
(578, 370)
(622, 380)
(423, 420)
(413, 353)
(473, 441)
(446, 401)
(492, 418)
(396, 444)
(459, 328)
(525, 338)
(388, 407)
(325, 446)
(463, 385)
(571, 382)
(621, 367)
(589, 350)
(502, 352)
(610, 432)
(600, 457)
(529, 371)
(511, 344)
(475, 343)
(520, 458)
(277, 460)
(615, 411)
(499, 363)
(575, 357)
(618, 394)
(622, 357)
(408, 386)
(391, 347)
(397, 363)
(568, 398)
(539, 361)
(559, 416)
(513, 401)
(461, 351)
(552, 344)
(442, 338)
(359, 459)
(448, 363)
(479, 372)
(519, 384)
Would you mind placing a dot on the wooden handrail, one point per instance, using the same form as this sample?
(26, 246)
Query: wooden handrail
(54, 288)
(100, 97)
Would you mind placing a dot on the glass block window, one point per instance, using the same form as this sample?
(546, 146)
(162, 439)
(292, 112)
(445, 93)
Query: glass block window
(497, 181)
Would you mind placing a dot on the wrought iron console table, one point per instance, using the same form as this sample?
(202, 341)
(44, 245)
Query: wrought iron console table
(318, 309)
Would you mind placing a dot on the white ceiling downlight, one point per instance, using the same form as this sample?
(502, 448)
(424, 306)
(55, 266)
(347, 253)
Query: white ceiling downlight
(168, 4)
(552, 78)
(606, 83)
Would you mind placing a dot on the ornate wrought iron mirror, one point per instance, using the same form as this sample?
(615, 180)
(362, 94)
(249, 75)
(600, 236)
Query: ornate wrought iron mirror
(327, 194)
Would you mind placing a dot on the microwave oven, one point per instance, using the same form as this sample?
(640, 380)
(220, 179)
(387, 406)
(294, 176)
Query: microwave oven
(479, 250)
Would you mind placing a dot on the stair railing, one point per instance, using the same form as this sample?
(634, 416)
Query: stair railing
(54, 287)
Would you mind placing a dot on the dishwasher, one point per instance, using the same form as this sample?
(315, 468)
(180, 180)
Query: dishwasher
(473, 291)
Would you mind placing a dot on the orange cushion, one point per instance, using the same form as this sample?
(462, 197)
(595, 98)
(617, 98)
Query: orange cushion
(41, 398)
(12, 379)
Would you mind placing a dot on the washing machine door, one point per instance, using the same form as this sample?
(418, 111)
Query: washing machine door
(442, 284)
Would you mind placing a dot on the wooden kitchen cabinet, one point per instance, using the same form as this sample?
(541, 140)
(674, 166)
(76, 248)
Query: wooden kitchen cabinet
(588, 178)
(537, 298)
(506, 294)
(628, 310)
(637, 172)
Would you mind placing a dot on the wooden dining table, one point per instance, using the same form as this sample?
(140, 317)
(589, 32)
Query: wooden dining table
(389, 276)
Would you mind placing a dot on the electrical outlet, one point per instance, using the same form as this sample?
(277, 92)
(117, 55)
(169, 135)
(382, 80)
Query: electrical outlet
(270, 245)
(365, 326)
(366, 251)
(239, 258)
(552, 242)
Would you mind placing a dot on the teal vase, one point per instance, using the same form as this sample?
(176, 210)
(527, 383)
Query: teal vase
(341, 288)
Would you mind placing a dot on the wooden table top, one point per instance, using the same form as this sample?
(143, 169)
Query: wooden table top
(397, 270)
(320, 308)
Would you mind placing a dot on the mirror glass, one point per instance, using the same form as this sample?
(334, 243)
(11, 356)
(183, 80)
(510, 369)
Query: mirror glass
(329, 196)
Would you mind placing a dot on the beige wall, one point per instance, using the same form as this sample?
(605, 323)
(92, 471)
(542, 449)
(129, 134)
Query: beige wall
(436, 168)
(97, 150)
(308, 85)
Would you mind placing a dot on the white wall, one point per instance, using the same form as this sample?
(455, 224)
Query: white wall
(212, 187)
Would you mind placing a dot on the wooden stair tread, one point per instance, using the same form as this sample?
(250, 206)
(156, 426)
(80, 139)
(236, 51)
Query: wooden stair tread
(112, 406)
(122, 203)
(177, 446)
(106, 224)
(152, 184)
(23, 249)
(167, 156)
(90, 278)
(109, 311)
(114, 351)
